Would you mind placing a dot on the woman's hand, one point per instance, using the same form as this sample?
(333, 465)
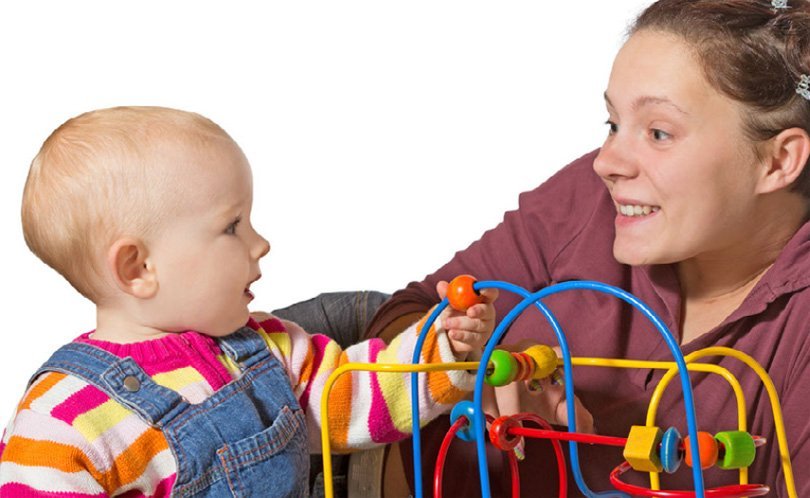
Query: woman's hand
(548, 403)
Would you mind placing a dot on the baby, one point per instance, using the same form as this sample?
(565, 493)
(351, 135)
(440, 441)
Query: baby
(178, 390)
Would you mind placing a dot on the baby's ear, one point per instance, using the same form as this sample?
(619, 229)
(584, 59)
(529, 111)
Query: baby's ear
(127, 262)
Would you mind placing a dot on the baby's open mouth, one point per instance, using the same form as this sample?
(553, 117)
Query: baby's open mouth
(248, 292)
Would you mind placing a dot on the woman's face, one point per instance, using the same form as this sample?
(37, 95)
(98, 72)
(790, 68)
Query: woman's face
(681, 173)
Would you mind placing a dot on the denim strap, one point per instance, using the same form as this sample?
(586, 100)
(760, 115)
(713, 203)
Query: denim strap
(245, 347)
(120, 378)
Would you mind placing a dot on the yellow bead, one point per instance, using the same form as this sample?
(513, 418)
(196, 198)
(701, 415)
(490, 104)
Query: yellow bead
(545, 360)
(641, 450)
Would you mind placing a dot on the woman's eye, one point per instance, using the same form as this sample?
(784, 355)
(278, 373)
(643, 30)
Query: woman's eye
(660, 135)
(612, 127)
(231, 230)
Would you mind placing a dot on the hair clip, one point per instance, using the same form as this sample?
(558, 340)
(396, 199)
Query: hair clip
(779, 4)
(803, 88)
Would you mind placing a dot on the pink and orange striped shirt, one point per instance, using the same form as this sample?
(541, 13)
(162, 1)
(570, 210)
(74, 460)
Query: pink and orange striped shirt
(70, 439)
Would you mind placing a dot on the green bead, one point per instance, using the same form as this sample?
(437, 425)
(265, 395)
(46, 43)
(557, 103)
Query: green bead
(503, 368)
(740, 449)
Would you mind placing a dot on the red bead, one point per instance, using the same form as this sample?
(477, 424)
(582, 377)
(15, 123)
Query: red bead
(461, 294)
(524, 366)
(499, 433)
(708, 450)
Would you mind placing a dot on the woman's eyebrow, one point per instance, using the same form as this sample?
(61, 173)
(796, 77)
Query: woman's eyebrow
(646, 100)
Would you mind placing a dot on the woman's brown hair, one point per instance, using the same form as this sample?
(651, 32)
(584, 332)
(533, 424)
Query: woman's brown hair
(751, 51)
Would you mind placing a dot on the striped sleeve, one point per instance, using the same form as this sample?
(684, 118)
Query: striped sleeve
(366, 408)
(69, 439)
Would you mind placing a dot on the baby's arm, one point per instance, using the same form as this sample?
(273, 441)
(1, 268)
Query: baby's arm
(370, 408)
(51, 448)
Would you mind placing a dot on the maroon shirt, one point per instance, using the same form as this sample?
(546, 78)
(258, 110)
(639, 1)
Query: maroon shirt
(563, 230)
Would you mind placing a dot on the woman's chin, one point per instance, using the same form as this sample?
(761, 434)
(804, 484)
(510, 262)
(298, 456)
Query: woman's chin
(633, 256)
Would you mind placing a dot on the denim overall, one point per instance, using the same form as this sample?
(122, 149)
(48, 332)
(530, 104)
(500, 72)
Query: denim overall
(247, 439)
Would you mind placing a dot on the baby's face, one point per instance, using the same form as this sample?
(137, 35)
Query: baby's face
(206, 254)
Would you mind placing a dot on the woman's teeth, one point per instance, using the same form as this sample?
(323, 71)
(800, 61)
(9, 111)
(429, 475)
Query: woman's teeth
(637, 210)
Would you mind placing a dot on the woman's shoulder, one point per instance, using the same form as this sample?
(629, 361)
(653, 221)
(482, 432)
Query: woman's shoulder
(573, 208)
(571, 193)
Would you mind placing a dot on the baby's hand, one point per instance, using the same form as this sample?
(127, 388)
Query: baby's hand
(469, 331)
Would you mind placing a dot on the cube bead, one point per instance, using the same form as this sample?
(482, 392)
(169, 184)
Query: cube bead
(641, 450)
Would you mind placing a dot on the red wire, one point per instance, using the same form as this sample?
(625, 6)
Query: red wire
(442, 456)
(513, 467)
(569, 436)
(736, 491)
(563, 474)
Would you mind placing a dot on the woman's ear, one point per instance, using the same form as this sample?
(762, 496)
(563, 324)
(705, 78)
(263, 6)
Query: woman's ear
(130, 268)
(785, 160)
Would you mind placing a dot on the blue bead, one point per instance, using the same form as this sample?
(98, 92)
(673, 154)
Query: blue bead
(465, 409)
(670, 456)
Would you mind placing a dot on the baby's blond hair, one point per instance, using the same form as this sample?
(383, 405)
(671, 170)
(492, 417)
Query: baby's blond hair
(100, 176)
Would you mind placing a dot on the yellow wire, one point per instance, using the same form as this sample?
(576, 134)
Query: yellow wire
(672, 368)
(742, 422)
(773, 396)
(720, 351)
(368, 367)
(599, 362)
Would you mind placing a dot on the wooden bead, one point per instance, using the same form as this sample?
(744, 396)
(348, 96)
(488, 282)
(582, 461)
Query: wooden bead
(641, 449)
(461, 294)
(503, 368)
(545, 360)
(499, 433)
(525, 366)
(670, 454)
(738, 449)
(708, 450)
(464, 409)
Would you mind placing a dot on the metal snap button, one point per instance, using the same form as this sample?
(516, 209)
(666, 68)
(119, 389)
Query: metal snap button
(131, 383)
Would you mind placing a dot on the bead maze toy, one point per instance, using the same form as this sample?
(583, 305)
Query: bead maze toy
(646, 448)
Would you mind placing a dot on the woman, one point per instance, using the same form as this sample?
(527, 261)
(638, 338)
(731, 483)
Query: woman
(697, 203)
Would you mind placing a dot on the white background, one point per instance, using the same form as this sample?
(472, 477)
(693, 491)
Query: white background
(384, 136)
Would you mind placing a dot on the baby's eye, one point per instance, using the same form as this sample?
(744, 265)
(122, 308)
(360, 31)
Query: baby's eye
(659, 135)
(231, 230)
(612, 127)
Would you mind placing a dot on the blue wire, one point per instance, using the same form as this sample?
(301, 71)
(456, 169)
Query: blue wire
(415, 438)
(478, 417)
(677, 354)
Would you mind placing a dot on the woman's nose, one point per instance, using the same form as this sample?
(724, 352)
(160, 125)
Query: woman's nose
(614, 160)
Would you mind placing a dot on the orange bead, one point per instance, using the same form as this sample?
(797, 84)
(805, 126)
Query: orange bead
(708, 450)
(460, 293)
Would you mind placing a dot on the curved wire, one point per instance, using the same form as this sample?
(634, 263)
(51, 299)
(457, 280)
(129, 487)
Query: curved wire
(562, 474)
(658, 393)
(534, 298)
(773, 397)
(326, 445)
(737, 491)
